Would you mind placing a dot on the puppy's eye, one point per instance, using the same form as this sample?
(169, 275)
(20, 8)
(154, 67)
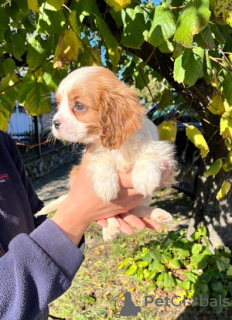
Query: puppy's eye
(79, 107)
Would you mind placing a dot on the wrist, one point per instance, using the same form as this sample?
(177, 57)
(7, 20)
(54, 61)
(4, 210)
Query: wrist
(71, 226)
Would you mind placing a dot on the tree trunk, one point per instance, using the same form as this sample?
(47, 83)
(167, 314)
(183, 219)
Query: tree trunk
(215, 215)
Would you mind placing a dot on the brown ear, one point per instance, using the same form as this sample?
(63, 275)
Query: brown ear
(120, 115)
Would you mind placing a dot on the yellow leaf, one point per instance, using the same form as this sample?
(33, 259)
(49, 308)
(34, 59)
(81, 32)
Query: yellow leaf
(33, 5)
(228, 143)
(227, 166)
(67, 48)
(214, 168)
(168, 130)
(225, 188)
(226, 125)
(216, 106)
(196, 137)
(118, 4)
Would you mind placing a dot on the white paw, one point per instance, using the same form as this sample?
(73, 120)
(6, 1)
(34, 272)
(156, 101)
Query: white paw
(113, 228)
(107, 190)
(146, 178)
(161, 216)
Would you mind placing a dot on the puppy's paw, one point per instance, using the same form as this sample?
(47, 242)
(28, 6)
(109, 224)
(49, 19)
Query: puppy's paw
(161, 216)
(113, 228)
(146, 177)
(106, 189)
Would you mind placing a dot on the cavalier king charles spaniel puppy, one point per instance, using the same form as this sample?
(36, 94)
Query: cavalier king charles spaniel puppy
(97, 109)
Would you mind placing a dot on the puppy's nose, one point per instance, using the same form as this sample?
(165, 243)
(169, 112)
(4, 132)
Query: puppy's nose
(56, 124)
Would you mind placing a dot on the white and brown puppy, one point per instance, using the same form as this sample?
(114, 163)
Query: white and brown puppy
(95, 108)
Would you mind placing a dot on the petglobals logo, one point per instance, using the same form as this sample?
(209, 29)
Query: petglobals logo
(125, 307)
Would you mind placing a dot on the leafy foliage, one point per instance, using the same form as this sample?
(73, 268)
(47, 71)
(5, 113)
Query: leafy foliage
(187, 48)
(187, 268)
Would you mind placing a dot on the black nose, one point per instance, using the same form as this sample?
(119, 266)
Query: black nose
(56, 124)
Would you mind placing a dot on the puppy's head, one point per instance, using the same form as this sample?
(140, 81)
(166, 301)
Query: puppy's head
(94, 106)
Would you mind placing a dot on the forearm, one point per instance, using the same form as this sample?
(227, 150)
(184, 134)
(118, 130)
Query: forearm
(36, 270)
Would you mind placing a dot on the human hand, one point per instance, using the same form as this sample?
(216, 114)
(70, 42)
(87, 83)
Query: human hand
(82, 206)
(127, 220)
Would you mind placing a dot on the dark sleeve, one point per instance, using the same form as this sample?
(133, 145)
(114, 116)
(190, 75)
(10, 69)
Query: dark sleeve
(35, 203)
(29, 282)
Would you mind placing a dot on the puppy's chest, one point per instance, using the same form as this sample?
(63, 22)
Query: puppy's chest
(124, 161)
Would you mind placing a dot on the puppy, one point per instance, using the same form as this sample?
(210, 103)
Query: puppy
(95, 108)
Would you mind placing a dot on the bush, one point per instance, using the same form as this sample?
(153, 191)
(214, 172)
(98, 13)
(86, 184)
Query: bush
(187, 268)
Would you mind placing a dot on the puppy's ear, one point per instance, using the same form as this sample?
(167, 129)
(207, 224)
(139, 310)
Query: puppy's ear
(120, 115)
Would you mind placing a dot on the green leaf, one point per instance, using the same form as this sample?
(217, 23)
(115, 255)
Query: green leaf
(166, 47)
(110, 42)
(166, 99)
(7, 105)
(142, 264)
(67, 48)
(146, 273)
(201, 231)
(196, 137)
(205, 39)
(141, 78)
(223, 263)
(131, 270)
(8, 66)
(140, 274)
(227, 166)
(193, 18)
(191, 277)
(169, 281)
(229, 273)
(156, 266)
(188, 67)
(36, 54)
(207, 68)
(174, 264)
(16, 43)
(50, 20)
(217, 286)
(214, 168)
(124, 264)
(56, 3)
(35, 96)
(185, 285)
(224, 190)
(227, 87)
(199, 261)
(134, 26)
(163, 25)
(196, 248)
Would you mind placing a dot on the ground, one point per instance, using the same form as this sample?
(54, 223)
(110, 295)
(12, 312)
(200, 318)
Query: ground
(98, 281)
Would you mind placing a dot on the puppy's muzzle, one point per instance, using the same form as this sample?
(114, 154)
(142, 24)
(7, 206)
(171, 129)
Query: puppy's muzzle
(56, 124)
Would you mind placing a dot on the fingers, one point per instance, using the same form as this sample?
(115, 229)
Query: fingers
(125, 227)
(133, 221)
(151, 224)
(165, 172)
(102, 223)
